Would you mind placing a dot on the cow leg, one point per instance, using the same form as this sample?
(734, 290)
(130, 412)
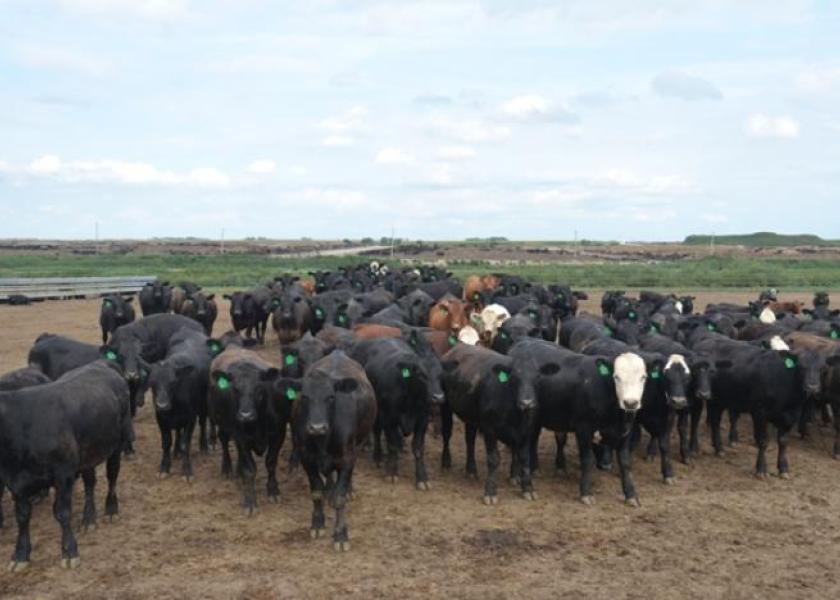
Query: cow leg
(470, 431)
(664, 439)
(62, 510)
(227, 464)
(23, 547)
(760, 434)
(89, 513)
(626, 472)
(446, 435)
(393, 439)
(418, 447)
(112, 473)
(213, 436)
(806, 416)
(782, 461)
(2, 489)
(603, 455)
(271, 459)
(715, 417)
(560, 458)
(377, 442)
(247, 470)
(533, 451)
(526, 483)
(203, 445)
(652, 448)
(166, 448)
(835, 408)
(491, 494)
(694, 441)
(186, 447)
(682, 431)
(341, 537)
(316, 489)
(177, 450)
(587, 462)
(733, 428)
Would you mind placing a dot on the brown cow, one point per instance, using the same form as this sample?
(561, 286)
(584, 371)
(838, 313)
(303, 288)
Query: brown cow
(308, 286)
(785, 307)
(441, 341)
(476, 285)
(449, 314)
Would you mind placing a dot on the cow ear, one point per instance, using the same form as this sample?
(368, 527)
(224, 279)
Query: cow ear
(164, 282)
(211, 296)
(184, 371)
(109, 353)
(289, 388)
(270, 374)
(723, 364)
(655, 370)
(789, 358)
(226, 296)
(128, 299)
(412, 338)
(449, 366)
(604, 367)
(502, 373)
(221, 380)
(833, 361)
(549, 369)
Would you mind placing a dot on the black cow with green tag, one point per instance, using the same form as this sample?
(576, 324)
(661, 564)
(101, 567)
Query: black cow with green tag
(492, 395)
(116, 310)
(406, 389)
(302, 354)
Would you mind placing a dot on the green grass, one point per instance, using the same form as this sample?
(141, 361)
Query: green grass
(764, 238)
(233, 271)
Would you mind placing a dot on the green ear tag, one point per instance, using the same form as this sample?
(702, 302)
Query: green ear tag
(406, 373)
(319, 313)
(631, 315)
(214, 348)
(108, 303)
(111, 355)
(710, 326)
(291, 393)
(290, 360)
(790, 363)
(833, 335)
(607, 330)
(476, 296)
(223, 383)
(655, 374)
(503, 335)
(603, 370)
(342, 319)
(452, 340)
(504, 377)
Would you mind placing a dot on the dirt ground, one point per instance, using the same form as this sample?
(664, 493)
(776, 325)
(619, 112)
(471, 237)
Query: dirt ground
(718, 533)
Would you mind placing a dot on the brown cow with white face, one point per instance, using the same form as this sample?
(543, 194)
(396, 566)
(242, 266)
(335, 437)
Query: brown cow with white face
(449, 314)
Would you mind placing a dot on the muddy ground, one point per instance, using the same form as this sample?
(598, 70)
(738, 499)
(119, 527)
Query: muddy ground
(718, 533)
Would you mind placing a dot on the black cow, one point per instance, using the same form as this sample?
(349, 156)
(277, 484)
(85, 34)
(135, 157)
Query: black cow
(179, 390)
(291, 315)
(116, 311)
(17, 380)
(595, 397)
(332, 418)
(243, 312)
(405, 391)
(302, 354)
(513, 330)
(51, 433)
(324, 306)
(490, 394)
(250, 402)
(155, 298)
(201, 307)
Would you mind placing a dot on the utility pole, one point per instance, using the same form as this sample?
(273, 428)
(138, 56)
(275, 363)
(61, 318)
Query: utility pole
(96, 237)
(392, 242)
(222, 247)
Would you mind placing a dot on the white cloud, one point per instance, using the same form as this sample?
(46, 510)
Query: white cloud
(351, 121)
(122, 172)
(676, 84)
(64, 59)
(262, 166)
(456, 153)
(340, 199)
(471, 132)
(393, 156)
(152, 10)
(532, 107)
(263, 64)
(818, 80)
(298, 170)
(714, 217)
(337, 141)
(765, 126)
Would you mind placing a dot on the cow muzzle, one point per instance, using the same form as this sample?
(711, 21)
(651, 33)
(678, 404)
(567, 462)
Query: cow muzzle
(631, 405)
(246, 416)
(678, 402)
(438, 398)
(317, 429)
(527, 403)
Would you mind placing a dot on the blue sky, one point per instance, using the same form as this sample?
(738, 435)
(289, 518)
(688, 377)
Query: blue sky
(530, 119)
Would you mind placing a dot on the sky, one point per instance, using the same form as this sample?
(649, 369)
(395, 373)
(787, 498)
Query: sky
(530, 119)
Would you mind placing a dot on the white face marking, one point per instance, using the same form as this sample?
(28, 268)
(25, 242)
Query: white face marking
(492, 318)
(679, 306)
(767, 316)
(778, 344)
(468, 335)
(677, 359)
(630, 374)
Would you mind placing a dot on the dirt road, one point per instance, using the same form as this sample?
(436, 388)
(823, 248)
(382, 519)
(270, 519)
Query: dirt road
(718, 533)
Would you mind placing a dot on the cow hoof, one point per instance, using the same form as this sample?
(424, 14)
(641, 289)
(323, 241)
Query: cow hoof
(274, 499)
(687, 461)
(733, 444)
(633, 502)
(18, 566)
(130, 456)
(113, 518)
(163, 475)
(720, 454)
(588, 500)
(762, 475)
(423, 486)
(249, 511)
(316, 533)
(562, 474)
(530, 496)
(70, 563)
(491, 500)
(835, 456)
(514, 482)
(785, 476)
(341, 546)
(472, 475)
(188, 478)
(392, 479)
(87, 527)
(650, 458)
(670, 480)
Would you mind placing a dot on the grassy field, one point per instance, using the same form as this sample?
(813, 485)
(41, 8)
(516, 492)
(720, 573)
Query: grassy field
(245, 270)
(765, 239)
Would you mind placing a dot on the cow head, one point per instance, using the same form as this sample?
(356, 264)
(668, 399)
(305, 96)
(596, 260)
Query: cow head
(629, 374)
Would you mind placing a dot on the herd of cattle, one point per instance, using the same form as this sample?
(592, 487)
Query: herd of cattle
(367, 351)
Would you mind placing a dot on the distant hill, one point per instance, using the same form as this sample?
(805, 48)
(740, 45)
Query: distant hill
(762, 238)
